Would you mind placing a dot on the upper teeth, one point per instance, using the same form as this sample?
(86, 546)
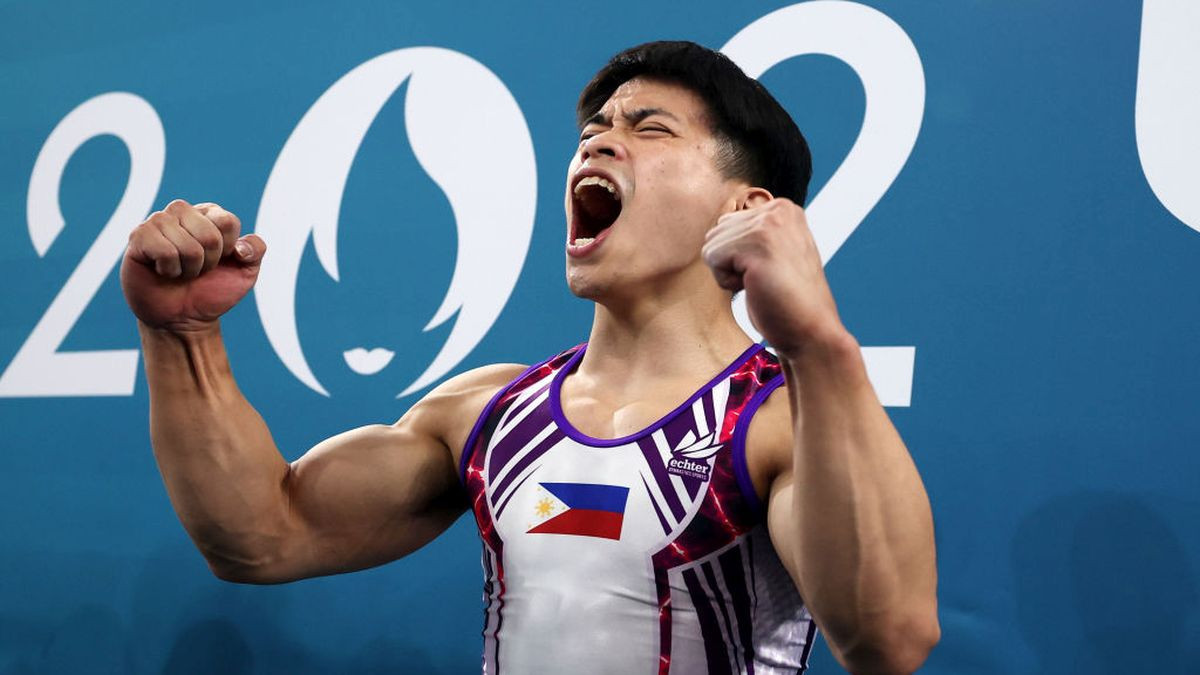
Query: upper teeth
(597, 180)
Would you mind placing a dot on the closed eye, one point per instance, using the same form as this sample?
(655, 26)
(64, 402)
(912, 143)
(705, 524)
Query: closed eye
(588, 132)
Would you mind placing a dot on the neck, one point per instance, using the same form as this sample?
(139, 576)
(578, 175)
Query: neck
(668, 333)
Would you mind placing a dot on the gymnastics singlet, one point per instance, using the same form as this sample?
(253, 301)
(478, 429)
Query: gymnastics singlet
(643, 554)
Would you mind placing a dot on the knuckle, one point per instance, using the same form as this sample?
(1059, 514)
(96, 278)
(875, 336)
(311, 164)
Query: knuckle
(190, 250)
(167, 265)
(176, 206)
(229, 224)
(209, 238)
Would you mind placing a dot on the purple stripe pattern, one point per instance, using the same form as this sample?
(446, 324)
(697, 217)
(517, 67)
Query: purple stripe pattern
(657, 511)
(473, 437)
(530, 457)
(714, 638)
(514, 439)
(504, 502)
(694, 475)
(735, 580)
(659, 471)
(719, 599)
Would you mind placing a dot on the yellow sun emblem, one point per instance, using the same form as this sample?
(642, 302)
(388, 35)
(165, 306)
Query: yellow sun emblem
(545, 507)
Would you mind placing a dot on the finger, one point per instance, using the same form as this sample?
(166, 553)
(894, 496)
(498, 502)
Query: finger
(727, 279)
(735, 228)
(205, 234)
(250, 250)
(725, 222)
(725, 267)
(727, 234)
(190, 252)
(229, 225)
(722, 251)
(149, 247)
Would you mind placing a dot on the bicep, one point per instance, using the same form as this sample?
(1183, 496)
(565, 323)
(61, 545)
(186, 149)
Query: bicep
(371, 495)
(377, 493)
(770, 453)
(781, 514)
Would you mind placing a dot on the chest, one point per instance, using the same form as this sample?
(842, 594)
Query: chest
(604, 413)
(544, 476)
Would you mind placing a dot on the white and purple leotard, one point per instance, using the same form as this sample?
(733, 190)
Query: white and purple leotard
(642, 554)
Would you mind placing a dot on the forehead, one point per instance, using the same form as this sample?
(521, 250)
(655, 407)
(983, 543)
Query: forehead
(642, 93)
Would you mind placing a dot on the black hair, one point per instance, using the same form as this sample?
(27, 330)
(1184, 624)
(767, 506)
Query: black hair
(761, 143)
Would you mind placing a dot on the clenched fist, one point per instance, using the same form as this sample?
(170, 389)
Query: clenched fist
(768, 251)
(186, 266)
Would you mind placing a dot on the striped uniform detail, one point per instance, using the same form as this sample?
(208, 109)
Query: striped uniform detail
(493, 598)
(689, 581)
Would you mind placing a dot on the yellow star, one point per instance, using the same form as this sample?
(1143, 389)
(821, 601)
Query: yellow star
(545, 507)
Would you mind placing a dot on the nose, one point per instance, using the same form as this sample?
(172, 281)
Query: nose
(602, 144)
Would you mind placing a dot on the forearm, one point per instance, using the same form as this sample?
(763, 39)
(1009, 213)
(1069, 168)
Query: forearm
(864, 531)
(221, 468)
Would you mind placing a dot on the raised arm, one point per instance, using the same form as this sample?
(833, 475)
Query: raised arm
(356, 500)
(847, 511)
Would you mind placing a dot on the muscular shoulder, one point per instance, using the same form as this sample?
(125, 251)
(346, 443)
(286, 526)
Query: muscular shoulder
(769, 441)
(449, 411)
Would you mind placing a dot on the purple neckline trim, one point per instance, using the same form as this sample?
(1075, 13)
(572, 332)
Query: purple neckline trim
(740, 470)
(570, 430)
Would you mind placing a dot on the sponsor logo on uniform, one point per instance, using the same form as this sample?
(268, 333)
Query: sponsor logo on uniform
(682, 466)
(691, 458)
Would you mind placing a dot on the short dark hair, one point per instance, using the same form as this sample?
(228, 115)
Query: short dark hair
(762, 143)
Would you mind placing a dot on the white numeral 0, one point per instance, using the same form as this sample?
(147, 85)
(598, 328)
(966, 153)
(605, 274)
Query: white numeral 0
(886, 61)
(39, 369)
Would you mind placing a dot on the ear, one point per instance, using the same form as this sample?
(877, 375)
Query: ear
(753, 196)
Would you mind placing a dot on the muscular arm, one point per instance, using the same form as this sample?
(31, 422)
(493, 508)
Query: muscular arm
(358, 499)
(847, 511)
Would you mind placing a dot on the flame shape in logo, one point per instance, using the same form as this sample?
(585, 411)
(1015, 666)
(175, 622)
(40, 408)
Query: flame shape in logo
(456, 109)
(697, 448)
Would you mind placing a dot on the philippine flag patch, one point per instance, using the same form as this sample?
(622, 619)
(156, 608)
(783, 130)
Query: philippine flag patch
(582, 509)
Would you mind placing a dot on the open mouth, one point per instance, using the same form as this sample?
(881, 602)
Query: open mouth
(597, 204)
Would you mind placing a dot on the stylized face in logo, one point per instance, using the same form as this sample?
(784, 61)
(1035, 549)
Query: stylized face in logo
(455, 107)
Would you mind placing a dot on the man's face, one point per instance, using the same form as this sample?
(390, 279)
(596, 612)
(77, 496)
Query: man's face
(642, 189)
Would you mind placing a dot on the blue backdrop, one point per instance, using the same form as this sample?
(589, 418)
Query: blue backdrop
(1034, 243)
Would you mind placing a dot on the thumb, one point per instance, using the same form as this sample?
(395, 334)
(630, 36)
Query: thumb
(249, 250)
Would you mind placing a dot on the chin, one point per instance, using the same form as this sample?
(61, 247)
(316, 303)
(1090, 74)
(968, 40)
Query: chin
(583, 285)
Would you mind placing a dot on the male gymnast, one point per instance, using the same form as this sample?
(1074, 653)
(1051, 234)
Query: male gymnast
(645, 503)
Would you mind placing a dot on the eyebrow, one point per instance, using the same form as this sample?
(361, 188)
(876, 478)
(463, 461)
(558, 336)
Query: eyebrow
(631, 117)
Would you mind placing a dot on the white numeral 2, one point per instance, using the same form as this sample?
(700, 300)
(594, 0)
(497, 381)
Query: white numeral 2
(886, 61)
(39, 369)
(1167, 112)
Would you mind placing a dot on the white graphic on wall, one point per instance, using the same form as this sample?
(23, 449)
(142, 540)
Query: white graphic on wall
(368, 361)
(39, 368)
(887, 62)
(1167, 111)
(457, 113)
